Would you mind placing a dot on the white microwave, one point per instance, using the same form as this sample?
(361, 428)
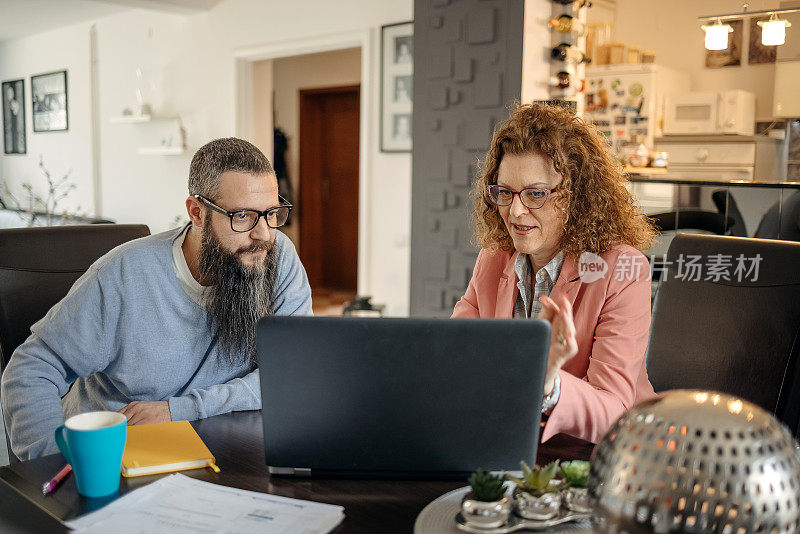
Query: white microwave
(726, 112)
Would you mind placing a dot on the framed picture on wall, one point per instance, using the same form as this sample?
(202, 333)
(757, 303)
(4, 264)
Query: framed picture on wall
(731, 56)
(14, 117)
(757, 52)
(49, 98)
(397, 85)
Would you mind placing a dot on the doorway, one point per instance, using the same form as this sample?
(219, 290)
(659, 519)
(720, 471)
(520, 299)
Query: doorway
(329, 188)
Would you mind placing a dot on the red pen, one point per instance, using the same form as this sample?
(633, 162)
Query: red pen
(51, 484)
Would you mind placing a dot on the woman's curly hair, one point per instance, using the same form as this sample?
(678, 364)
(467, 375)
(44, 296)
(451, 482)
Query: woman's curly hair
(598, 210)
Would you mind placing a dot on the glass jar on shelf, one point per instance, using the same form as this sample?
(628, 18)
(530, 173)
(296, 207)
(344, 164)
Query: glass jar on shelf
(616, 53)
(634, 55)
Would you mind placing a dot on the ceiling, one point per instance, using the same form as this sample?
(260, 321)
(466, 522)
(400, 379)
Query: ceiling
(27, 17)
(19, 18)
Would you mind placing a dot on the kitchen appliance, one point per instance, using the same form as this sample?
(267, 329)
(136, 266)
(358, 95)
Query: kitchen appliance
(717, 157)
(715, 113)
(626, 102)
(785, 103)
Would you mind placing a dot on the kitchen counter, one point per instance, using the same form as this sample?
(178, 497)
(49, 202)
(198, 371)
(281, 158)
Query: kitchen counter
(642, 178)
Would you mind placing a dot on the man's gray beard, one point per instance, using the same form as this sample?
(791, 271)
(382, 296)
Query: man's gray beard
(238, 297)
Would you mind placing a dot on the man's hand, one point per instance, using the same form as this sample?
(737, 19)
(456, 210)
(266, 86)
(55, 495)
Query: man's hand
(141, 412)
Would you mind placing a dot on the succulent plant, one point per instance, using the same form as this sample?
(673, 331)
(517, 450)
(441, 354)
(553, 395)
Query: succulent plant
(536, 481)
(486, 486)
(575, 473)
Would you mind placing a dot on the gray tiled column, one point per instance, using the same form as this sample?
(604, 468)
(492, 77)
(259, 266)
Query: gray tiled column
(467, 72)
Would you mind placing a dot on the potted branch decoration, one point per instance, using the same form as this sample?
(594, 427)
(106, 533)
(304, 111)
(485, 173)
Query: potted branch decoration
(575, 474)
(36, 204)
(486, 505)
(536, 495)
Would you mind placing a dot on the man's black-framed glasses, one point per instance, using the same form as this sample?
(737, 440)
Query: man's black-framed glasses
(531, 197)
(246, 220)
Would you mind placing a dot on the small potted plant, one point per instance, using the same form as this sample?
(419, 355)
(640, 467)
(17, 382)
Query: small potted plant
(486, 505)
(536, 495)
(575, 474)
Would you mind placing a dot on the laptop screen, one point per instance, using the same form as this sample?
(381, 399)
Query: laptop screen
(405, 397)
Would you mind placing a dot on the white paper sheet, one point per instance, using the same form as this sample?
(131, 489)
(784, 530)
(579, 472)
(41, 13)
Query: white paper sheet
(179, 504)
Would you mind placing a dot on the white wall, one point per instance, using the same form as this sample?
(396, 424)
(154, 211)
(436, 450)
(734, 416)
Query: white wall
(535, 44)
(66, 48)
(671, 29)
(263, 136)
(291, 74)
(145, 188)
(191, 61)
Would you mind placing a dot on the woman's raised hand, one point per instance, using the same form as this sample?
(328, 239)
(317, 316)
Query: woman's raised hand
(563, 345)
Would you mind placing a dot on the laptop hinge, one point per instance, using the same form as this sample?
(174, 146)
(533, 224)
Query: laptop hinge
(290, 471)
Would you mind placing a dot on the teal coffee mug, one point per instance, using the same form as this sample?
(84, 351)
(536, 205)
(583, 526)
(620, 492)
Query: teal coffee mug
(92, 444)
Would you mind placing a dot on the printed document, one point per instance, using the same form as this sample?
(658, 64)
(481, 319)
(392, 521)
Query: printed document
(178, 503)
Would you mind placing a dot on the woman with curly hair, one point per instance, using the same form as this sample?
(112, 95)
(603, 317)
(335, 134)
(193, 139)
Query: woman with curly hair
(560, 240)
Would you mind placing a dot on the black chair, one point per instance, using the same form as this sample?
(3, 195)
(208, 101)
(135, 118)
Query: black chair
(39, 265)
(5, 457)
(727, 220)
(782, 221)
(726, 204)
(736, 336)
(707, 221)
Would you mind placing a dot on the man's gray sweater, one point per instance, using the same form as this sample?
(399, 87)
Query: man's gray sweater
(126, 331)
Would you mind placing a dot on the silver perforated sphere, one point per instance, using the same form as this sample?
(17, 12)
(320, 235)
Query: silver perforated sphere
(696, 461)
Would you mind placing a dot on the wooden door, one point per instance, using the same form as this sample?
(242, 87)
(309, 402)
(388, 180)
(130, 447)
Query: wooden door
(328, 210)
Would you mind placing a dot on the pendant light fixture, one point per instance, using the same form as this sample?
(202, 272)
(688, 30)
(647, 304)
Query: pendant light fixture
(717, 35)
(773, 31)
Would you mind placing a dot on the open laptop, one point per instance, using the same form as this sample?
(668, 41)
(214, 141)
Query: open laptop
(400, 397)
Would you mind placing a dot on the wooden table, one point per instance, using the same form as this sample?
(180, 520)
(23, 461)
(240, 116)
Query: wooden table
(236, 441)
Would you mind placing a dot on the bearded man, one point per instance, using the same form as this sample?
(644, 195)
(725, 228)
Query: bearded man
(163, 328)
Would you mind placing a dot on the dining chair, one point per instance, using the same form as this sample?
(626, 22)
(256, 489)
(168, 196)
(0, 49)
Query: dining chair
(734, 330)
(39, 265)
(782, 220)
(4, 445)
(706, 221)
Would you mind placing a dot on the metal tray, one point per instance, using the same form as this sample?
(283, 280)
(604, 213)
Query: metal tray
(516, 523)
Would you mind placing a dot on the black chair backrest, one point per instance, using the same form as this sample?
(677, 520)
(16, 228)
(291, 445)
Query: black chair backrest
(38, 267)
(708, 221)
(725, 203)
(782, 220)
(739, 336)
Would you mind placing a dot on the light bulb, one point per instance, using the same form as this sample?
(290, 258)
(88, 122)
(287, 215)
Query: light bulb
(773, 31)
(717, 35)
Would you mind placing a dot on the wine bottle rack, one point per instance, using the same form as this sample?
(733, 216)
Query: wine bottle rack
(566, 84)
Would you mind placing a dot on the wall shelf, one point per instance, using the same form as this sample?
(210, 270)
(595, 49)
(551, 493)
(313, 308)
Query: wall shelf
(163, 150)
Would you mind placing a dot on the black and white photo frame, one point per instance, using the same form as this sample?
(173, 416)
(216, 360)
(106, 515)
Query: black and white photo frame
(13, 96)
(49, 102)
(397, 85)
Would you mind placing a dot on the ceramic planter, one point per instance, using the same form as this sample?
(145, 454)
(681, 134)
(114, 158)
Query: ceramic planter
(482, 514)
(529, 506)
(578, 500)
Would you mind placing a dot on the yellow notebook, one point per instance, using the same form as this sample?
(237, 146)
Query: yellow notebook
(164, 447)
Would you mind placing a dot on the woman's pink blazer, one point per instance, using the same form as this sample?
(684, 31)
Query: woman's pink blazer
(612, 321)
